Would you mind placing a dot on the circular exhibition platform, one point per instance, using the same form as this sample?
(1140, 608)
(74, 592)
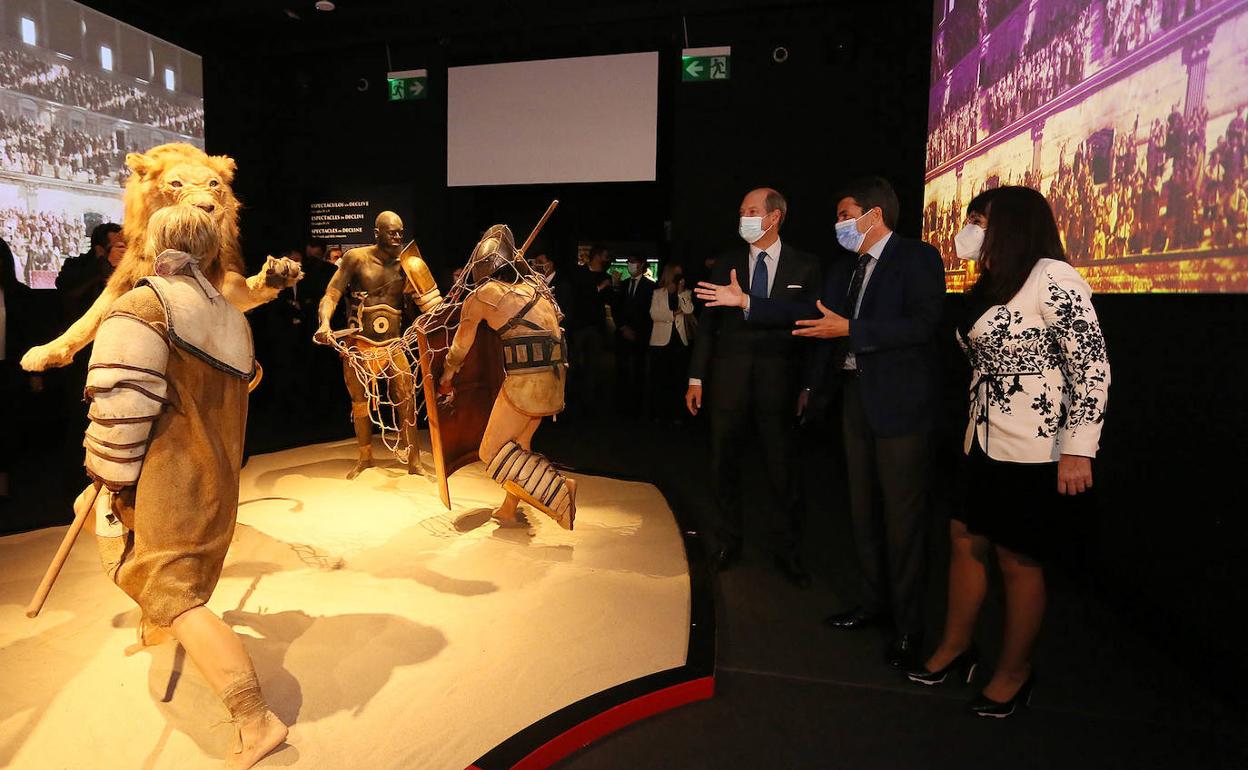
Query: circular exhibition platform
(386, 630)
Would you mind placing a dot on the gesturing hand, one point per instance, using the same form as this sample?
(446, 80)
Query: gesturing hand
(722, 296)
(1074, 474)
(828, 326)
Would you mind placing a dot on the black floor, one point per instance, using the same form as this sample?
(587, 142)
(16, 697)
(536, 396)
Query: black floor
(793, 693)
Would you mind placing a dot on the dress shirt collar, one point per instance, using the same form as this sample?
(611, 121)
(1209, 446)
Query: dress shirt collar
(878, 247)
(773, 251)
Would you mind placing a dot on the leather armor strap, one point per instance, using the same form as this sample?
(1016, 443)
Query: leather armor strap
(534, 352)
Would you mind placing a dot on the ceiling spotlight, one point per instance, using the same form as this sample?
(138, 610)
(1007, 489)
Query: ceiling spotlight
(324, 5)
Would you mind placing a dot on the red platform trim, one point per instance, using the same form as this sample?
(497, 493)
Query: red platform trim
(614, 719)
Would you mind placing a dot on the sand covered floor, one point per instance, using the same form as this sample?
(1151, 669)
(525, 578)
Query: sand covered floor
(388, 631)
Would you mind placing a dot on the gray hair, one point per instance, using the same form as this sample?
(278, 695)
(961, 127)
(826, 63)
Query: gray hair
(776, 201)
(187, 229)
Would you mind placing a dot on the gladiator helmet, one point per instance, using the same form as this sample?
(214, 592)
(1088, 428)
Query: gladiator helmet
(495, 251)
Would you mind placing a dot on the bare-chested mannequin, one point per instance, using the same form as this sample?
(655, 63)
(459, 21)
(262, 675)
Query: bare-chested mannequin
(375, 279)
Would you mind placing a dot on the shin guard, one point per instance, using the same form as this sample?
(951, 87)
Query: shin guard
(532, 478)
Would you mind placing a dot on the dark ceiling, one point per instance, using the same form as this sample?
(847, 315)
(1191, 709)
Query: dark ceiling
(295, 26)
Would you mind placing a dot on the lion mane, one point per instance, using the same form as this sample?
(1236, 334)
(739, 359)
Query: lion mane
(169, 175)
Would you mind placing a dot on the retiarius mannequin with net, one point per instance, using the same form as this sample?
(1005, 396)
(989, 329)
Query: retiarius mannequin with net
(375, 279)
(167, 386)
(511, 300)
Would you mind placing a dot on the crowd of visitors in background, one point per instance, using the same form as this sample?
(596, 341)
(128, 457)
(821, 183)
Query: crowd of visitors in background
(1056, 56)
(70, 84)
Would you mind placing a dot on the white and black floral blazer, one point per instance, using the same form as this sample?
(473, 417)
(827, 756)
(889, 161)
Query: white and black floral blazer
(1040, 376)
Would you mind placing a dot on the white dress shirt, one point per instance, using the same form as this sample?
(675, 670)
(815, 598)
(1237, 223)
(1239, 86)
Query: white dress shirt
(875, 251)
(773, 263)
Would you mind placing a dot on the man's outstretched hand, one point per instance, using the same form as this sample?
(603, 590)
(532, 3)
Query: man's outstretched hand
(828, 326)
(722, 296)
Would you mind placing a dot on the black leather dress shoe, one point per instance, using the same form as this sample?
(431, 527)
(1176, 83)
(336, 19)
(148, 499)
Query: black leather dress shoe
(791, 567)
(855, 619)
(905, 652)
(724, 557)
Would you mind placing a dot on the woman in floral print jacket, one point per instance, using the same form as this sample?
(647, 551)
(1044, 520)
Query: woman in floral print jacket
(1039, 384)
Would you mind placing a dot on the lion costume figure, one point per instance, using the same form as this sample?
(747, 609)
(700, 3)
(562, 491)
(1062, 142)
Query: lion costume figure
(167, 175)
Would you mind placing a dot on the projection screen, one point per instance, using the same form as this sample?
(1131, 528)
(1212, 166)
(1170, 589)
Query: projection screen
(1127, 114)
(588, 119)
(78, 90)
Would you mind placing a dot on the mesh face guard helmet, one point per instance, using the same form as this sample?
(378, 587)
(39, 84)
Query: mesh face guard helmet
(495, 251)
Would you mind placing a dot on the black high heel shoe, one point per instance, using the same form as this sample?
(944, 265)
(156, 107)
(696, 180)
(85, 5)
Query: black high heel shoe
(983, 706)
(965, 664)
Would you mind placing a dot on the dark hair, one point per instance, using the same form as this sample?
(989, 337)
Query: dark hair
(1021, 232)
(100, 233)
(870, 192)
(980, 203)
(317, 243)
(597, 249)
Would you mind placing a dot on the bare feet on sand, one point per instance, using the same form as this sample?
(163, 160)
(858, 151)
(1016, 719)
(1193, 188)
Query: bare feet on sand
(364, 462)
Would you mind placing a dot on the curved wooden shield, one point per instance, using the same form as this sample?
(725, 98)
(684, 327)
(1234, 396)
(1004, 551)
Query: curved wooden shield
(456, 430)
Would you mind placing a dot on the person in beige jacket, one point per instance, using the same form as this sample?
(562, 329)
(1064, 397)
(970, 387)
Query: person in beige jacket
(671, 310)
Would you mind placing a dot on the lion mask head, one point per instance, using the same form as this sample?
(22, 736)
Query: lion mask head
(177, 174)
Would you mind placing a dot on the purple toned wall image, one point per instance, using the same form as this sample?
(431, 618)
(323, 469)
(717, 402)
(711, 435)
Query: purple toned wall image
(1127, 114)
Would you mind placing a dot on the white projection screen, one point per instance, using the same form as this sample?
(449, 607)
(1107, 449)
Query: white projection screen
(587, 119)
(78, 90)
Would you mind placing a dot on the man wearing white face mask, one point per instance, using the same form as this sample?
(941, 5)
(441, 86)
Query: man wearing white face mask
(751, 374)
(876, 324)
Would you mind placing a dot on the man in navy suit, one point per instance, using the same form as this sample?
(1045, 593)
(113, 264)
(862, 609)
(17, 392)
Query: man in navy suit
(631, 311)
(876, 324)
(751, 372)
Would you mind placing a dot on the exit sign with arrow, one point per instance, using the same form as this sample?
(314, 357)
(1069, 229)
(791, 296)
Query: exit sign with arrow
(408, 85)
(698, 65)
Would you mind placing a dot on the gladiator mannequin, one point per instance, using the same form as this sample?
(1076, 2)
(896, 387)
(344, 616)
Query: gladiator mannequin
(167, 387)
(516, 304)
(375, 279)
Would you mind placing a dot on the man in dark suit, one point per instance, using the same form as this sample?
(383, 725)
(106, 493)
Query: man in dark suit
(631, 311)
(82, 278)
(559, 281)
(750, 371)
(586, 326)
(877, 324)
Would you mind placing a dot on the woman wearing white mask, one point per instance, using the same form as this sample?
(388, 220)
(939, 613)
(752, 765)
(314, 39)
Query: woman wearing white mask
(1040, 380)
(968, 241)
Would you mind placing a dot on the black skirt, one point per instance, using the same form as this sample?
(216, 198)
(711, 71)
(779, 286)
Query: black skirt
(1015, 505)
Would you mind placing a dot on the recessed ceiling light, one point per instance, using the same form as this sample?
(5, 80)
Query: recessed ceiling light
(324, 5)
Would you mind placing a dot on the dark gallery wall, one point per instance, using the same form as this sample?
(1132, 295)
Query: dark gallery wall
(1167, 541)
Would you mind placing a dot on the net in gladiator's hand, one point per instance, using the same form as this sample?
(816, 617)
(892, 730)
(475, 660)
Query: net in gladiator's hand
(388, 373)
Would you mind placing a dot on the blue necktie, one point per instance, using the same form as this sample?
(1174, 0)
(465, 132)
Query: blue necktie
(758, 284)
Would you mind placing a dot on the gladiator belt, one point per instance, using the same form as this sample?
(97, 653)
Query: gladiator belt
(536, 351)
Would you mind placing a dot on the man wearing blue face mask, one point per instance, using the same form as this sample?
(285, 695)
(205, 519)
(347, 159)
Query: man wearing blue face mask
(751, 374)
(876, 326)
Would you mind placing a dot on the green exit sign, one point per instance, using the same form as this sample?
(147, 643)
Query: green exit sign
(408, 85)
(699, 65)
